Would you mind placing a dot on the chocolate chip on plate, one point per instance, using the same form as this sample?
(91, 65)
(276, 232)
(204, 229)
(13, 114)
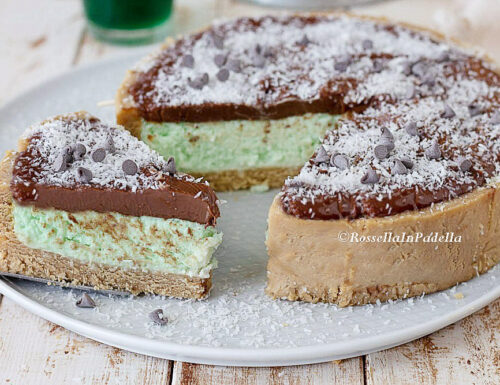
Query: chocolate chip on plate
(399, 168)
(158, 317)
(433, 151)
(463, 164)
(98, 155)
(84, 174)
(340, 161)
(129, 167)
(448, 112)
(223, 74)
(187, 61)
(85, 302)
(79, 151)
(170, 166)
(321, 156)
(371, 177)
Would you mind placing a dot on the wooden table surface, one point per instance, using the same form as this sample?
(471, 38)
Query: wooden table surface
(40, 39)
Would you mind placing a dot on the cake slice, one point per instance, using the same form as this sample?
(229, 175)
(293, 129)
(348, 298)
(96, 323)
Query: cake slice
(86, 203)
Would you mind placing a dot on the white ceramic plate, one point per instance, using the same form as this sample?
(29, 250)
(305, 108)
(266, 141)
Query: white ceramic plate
(238, 324)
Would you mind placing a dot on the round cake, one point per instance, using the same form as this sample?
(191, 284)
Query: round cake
(399, 131)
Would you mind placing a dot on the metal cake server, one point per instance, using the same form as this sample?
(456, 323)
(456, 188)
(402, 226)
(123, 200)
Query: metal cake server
(7, 276)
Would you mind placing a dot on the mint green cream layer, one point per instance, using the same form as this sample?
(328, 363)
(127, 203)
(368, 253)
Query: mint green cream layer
(238, 144)
(144, 243)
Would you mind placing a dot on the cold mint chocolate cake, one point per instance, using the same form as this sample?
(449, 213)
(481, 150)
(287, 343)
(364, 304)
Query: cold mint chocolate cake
(86, 203)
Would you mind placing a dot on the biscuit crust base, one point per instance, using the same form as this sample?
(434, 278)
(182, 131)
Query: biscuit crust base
(19, 259)
(308, 261)
(229, 180)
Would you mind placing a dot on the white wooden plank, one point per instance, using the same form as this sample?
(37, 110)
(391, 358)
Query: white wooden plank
(464, 353)
(38, 40)
(349, 372)
(34, 351)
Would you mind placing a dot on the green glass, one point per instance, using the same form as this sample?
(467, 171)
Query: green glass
(128, 21)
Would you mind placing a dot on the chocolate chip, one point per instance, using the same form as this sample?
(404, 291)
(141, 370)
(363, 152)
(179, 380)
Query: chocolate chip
(68, 150)
(474, 110)
(321, 156)
(388, 143)
(220, 60)
(342, 64)
(340, 161)
(420, 69)
(98, 155)
(367, 44)
(187, 61)
(199, 82)
(406, 70)
(410, 92)
(223, 74)
(411, 128)
(448, 112)
(170, 166)
(304, 41)
(495, 118)
(407, 162)
(371, 177)
(129, 167)
(85, 302)
(386, 133)
(218, 41)
(433, 151)
(158, 317)
(443, 56)
(109, 145)
(399, 168)
(428, 80)
(234, 65)
(258, 61)
(62, 162)
(381, 151)
(84, 174)
(79, 151)
(378, 66)
(463, 164)
(294, 183)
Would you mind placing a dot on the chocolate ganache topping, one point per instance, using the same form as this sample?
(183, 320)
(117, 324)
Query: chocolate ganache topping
(75, 163)
(421, 116)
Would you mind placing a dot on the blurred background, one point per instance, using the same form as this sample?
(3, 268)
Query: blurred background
(41, 38)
